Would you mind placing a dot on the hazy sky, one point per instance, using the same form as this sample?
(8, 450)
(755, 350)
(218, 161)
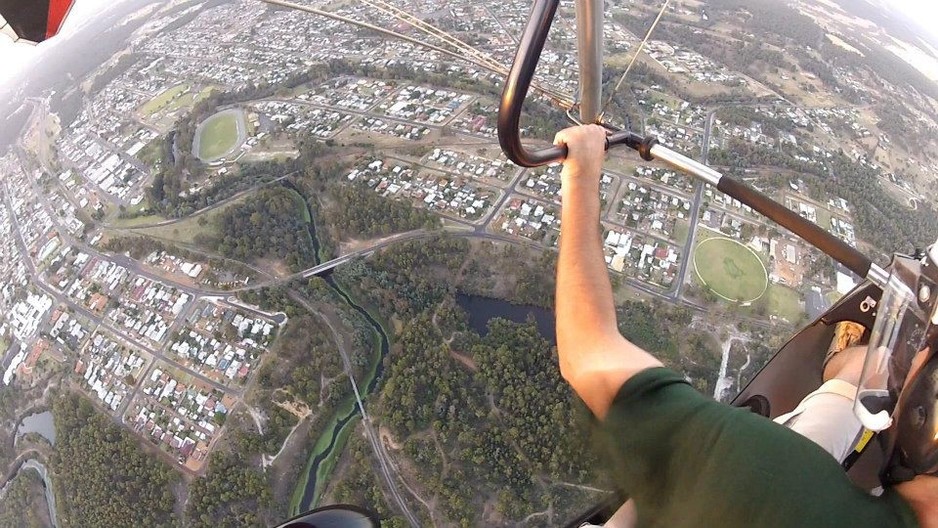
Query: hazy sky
(15, 57)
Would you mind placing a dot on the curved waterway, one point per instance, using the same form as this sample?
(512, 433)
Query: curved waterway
(310, 498)
(313, 488)
(343, 416)
(378, 368)
(322, 457)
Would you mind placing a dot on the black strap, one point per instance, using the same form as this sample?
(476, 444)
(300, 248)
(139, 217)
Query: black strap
(861, 442)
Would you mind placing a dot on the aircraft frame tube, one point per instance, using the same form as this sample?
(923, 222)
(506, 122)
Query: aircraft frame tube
(589, 34)
(809, 231)
(516, 89)
(509, 138)
(688, 165)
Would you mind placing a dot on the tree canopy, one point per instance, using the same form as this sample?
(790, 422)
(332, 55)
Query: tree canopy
(102, 477)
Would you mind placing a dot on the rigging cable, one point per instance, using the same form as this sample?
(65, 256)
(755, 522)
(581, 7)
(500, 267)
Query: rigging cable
(433, 31)
(560, 100)
(429, 29)
(628, 68)
(372, 27)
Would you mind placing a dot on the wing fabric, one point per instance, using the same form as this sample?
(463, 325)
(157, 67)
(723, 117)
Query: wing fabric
(32, 20)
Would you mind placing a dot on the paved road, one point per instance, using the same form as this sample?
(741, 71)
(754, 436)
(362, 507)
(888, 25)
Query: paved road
(370, 113)
(498, 20)
(36, 465)
(478, 231)
(17, 233)
(694, 212)
(25, 462)
(137, 164)
(60, 297)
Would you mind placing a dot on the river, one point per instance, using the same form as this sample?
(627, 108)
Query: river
(310, 498)
(379, 330)
(480, 309)
(311, 490)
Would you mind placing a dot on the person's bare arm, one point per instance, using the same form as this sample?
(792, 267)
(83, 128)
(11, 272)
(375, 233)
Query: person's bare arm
(594, 357)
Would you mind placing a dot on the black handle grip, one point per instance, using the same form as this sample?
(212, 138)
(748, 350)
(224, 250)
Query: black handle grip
(516, 89)
(838, 249)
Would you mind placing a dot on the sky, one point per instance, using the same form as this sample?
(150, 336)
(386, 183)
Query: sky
(15, 57)
(920, 10)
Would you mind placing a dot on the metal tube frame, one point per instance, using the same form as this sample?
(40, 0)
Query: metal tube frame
(589, 36)
(809, 231)
(516, 89)
(589, 18)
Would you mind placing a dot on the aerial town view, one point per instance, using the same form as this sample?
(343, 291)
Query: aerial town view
(258, 260)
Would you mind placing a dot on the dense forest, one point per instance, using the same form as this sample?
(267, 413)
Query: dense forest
(270, 224)
(232, 494)
(102, 477)
(346, 211)
(499, 419)
(360, 212)
(763, 16)
(413, 276)
(888, 225)
(744, 56)
(10, 398)
(666, 332)
(306, 356)
(408, 278)
(358, 482)
(491, 412)
(165, 194)
(24, 504)
(744, 116)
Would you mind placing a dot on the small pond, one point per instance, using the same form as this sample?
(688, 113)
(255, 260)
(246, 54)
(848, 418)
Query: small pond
(483, 309)
(41, 423)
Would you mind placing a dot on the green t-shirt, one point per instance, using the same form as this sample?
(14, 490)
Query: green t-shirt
(689, 461)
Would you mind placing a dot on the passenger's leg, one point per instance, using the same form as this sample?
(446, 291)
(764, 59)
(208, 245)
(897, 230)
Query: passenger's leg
(846, 365)
(826, 416)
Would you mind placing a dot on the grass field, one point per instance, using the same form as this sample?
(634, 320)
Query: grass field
(188, 100)
(300, 204)
(160, 101)
(681, 230)
(137, 221)
(185, 231)
(730, 269)
(785, 302)
(218, 135)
